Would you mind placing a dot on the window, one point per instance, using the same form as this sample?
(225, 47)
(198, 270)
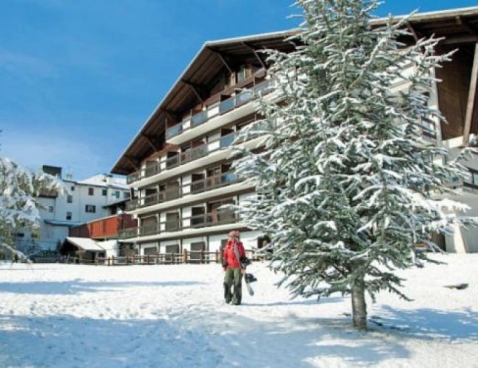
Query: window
(91, 191)
(197, 250)
(125, 195)
(72, 189)
(68, 216)
(117, 194)
(69, 199)
(242, 73)
(90, 208)
(50, 208)
(104, 192)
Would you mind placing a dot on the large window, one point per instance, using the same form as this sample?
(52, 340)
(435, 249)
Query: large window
(91, 191)
(69, 199)
(90, 208)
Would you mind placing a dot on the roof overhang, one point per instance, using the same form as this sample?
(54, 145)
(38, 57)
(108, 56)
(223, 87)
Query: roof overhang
(86, 244)
(61, 223)
(212, 59)
(455, 26)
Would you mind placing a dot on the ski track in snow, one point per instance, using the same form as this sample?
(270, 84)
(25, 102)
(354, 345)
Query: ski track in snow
(174, 316)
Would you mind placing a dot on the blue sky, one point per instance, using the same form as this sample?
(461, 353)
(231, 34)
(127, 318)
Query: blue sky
(79, 78)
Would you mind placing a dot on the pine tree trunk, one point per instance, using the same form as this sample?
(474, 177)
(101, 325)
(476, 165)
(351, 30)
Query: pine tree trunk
(359, 307)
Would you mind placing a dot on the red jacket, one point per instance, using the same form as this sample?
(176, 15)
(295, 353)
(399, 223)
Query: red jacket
(230, 257)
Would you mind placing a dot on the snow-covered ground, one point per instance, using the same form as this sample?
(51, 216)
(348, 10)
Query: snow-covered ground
(54, 315)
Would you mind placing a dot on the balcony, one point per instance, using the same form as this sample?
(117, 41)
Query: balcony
(212, 219)
(46, 193)
(152, 199)
(212, 182)
(471, 182)
(198, 186)
(182, 158)
(226, 106)
(207, 220)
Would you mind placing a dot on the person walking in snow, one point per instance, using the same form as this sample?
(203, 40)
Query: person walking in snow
(233, 252)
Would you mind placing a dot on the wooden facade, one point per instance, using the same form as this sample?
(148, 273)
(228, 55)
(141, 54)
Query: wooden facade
(105, 228)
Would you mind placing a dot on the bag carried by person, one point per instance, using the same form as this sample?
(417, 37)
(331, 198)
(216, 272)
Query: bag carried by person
(245, 262)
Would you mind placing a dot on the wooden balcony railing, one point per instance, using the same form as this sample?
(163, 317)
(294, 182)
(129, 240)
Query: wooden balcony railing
(183, 158)
(225, 106)
(200, 118)
(220, 217)
(198, 186)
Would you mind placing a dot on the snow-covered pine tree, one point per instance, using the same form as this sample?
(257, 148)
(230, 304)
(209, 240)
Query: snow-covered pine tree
(347, 185)
(19, 206)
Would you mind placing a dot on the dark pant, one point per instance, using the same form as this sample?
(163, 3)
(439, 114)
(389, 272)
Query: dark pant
(233, 278)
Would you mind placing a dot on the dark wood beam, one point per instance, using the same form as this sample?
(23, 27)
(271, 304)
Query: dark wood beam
(459, 40)
(470, 106)
(466, 25)
(172, 115)
(132, 162)
(255, 54)
(148, 139)
(416, 35)
(195, 88)
(223, 59)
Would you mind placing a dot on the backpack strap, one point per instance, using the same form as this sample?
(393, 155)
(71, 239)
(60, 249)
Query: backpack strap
(236, 253)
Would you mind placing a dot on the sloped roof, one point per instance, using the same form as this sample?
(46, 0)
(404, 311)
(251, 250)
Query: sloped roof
(456, 25)
(85, 244)
(104, 180)
(200, 73)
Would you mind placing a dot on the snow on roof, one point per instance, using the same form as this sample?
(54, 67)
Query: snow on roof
(61, 223)
(105, 181)
(108, 244)
(85, 244)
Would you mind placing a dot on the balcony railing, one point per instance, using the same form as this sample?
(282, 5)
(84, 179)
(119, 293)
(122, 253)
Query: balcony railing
(152, 199)
(213, 182)
(212, 219)
(224, 107)
(198, 186)
(472, 179)
(221, 217)
(182, 158)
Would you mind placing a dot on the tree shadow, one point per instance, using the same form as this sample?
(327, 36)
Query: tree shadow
(322, 341)
(208, 337)
(454, 326)
(305, 342)
(310, 301)
(79, 286)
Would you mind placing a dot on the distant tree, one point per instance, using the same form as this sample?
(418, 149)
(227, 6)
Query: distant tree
(347, 185)
(19, 206)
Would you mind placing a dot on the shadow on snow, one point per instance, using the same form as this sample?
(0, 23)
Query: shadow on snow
(79, 286)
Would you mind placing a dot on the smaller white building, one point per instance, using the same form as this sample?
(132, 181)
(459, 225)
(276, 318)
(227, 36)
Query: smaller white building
(83, 201)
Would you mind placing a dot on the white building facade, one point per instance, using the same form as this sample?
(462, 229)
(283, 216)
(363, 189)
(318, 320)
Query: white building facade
(82, 201)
